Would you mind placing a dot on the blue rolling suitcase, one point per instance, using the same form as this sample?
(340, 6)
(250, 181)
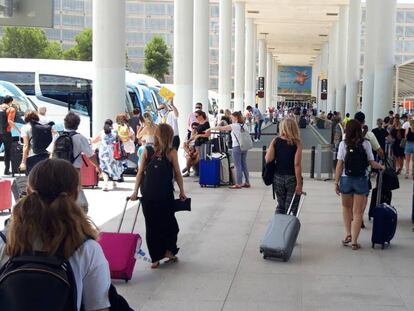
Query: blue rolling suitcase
(385, 220)
(209, 173)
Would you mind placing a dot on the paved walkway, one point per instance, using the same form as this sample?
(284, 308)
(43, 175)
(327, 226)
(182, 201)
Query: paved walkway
(220, 267)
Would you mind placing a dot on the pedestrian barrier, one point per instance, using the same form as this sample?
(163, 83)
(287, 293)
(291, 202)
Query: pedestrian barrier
(324, 156)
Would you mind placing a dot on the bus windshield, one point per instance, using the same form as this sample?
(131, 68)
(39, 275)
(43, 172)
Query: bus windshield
(20, 101)
(146, 99)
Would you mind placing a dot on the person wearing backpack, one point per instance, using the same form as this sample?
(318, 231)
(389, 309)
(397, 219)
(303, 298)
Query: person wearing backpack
(36, 139)
(70, 145)
(50, 257)
(155, 180)
(351, 179)
(7, 116)
(242, 143)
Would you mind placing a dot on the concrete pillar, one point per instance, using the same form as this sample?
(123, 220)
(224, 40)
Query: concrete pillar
(314, 79)
(269, 80)
(225, 21)
(332, 68)
(201, 52)
(108, 61)
(262, 71)
(384, 64)
(239, 64)
(255, 63)
(274, 84)
(324, 72)
(250, 64)
(369, 60)
(341, 59)
(183, 61)
(354, 54)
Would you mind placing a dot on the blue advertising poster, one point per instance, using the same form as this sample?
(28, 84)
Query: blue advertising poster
(294, 80)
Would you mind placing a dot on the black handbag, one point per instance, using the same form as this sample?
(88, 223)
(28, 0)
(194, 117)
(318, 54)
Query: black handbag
(180, 205)
(268, 173)
(390, 180)
(269, 170)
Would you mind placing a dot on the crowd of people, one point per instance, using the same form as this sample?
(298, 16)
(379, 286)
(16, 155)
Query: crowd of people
(57, 224)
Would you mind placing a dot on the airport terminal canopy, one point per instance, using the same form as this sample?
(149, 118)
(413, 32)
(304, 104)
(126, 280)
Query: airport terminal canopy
(295, 31)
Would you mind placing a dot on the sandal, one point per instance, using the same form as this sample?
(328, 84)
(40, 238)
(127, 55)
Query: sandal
(235, 187)
(347, 240)
(172, 260)
(155, 265)
(356, 246)
(246, 185)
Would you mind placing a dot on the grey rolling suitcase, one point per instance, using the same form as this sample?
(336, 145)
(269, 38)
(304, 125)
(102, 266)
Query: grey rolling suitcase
(282, 232)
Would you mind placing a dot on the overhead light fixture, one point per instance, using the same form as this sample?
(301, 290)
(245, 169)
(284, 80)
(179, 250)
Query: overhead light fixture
(316, 50)
(322, 35)
(271, 49)
(264, 33)
(331, 14)
(253, 12)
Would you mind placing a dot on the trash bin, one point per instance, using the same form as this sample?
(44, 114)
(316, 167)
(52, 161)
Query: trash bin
(323, 161)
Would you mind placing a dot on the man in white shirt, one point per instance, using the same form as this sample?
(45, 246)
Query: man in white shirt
(169, 113)
(360, 116)
(406, 121)
(42, 115)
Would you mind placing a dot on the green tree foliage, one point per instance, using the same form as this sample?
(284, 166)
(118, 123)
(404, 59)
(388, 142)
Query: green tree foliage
(157, 58)
(83, 48)
(53, 51)
(25, 43)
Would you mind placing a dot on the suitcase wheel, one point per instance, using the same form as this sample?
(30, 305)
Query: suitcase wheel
(382, 246)
(373, 245)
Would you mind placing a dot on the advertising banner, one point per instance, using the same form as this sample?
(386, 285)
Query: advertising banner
(294, 80)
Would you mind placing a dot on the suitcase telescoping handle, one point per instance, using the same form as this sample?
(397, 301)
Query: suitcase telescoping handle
(123, 215)
(379, 187)
(301, 200)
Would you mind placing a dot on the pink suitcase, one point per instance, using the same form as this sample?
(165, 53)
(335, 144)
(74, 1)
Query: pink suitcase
(5, 195)
(120, 248)
(89, 176)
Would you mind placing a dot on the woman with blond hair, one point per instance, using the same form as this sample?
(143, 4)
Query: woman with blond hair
(236, 127)
(155, 180)
(146, 134)
(48, 220)
(286, 151)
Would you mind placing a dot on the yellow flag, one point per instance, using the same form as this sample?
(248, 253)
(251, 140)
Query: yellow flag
(166, 93)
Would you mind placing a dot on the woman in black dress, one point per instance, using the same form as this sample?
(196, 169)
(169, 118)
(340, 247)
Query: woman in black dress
(398, 133)
(158, 167)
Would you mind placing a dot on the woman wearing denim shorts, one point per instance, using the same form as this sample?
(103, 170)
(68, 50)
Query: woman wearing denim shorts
(353, 189)
(409, 149)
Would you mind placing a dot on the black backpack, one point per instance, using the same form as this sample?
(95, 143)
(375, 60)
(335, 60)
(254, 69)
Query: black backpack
(157, 179)
(41, 137)
(37, 282)
(3, 121)
(64, 147)
(356, 160)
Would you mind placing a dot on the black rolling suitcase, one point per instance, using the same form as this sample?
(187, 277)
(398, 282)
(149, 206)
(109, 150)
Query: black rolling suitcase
(16, 157)
(385, 220)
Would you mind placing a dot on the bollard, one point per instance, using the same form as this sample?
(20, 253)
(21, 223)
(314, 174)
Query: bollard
(263, 157)
(312, 167)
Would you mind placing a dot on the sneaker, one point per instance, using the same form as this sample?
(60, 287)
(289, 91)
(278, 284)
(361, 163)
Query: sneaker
(7, 173)
(187, 174)
(184, 170)
(105, 188)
